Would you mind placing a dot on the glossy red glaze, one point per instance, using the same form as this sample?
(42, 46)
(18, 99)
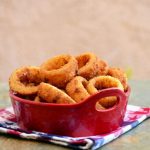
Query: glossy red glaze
(74, 120)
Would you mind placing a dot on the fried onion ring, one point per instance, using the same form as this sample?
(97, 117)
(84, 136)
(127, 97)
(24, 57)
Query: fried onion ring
(25, 80)
(102, 82)
(59, 70)
(99, 107)
(119, 74)
(37, 99)
(103, 68)
(51, 94)
(76, 89)
(88, 65)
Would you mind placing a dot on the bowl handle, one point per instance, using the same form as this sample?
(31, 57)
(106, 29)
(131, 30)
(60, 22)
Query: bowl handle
(91, 101)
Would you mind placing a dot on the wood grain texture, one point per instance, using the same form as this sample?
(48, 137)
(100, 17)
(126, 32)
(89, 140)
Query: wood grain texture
(33, 30)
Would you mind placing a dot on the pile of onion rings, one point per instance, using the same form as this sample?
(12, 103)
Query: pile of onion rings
(66, 79)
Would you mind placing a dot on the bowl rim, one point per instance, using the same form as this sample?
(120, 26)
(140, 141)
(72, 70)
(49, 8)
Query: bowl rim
(31, 102)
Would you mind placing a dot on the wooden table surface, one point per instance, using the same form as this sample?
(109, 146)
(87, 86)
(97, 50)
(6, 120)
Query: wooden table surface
(137, 139)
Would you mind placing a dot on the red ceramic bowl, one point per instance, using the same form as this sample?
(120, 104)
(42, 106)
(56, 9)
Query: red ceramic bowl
(74, 120)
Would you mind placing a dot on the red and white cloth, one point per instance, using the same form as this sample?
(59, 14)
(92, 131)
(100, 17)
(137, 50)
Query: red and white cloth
(134, 116)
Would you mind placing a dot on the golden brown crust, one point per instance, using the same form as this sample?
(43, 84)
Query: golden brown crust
(51, 94)
(119, 74)
(103, 67)
(108, 102)
(102, 82)
(37, 99)
(76, 88)
(25, 80)
(88, 65)
(99, 106)
(71, 75)
(59, 70)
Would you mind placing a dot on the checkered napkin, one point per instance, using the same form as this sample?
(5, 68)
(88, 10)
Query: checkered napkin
(134, 116)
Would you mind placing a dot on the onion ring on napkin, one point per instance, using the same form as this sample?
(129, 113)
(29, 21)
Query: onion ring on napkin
(76, 89)
(25, 80)
(103, 68)
(119, 74)
(88, 65)
(102, 82)
(59, 70)
(51, 94)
